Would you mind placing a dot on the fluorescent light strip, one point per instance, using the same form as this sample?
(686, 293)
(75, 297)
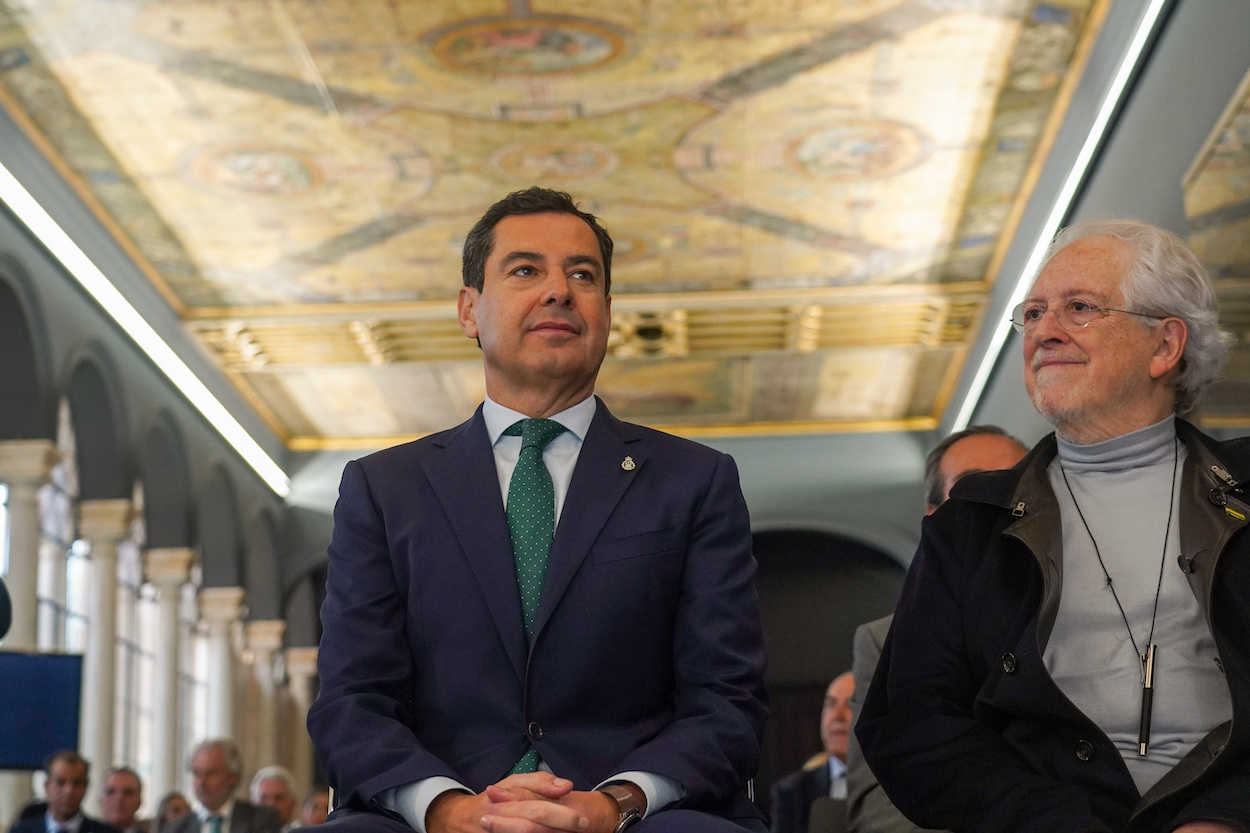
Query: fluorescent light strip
(41, 224)
(1063, 201)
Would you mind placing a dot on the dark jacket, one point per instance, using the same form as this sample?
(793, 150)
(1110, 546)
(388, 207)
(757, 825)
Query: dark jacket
(35, 823)
(964, 726)
(246, 817)
(792, 798)
(647, 651)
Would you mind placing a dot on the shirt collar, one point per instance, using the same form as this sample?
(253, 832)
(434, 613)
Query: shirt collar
(224, 811)
(72, 824)
(837, 769)
(576, 419)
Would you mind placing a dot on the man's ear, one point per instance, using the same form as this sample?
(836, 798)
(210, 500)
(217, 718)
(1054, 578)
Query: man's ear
(1170, 341)
(466, 308)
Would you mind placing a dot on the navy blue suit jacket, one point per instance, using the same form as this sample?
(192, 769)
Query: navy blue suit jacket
(647, 652)
(38, 824)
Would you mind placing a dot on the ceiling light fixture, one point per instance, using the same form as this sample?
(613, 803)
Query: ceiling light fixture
(1063, 203)
(99, 287)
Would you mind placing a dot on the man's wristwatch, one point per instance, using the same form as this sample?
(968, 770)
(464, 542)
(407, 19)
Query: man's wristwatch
(628, 807)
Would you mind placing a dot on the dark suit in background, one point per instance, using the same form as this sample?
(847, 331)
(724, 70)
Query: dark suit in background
(29, 822)
(792, 798)
(245, 817)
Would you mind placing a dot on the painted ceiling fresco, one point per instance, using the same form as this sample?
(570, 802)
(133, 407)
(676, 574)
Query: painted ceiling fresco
(809, 197)
(1217, 204)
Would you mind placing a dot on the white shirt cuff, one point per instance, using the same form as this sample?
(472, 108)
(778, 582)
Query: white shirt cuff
(412, 801)
(660, 790)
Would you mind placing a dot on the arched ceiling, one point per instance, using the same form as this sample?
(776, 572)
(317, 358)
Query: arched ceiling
(809, 197)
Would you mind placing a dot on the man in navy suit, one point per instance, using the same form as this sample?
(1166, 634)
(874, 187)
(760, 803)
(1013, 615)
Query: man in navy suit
(628, 671)
(65, 785)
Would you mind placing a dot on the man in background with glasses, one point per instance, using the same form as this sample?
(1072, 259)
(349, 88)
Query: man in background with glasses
(1070, 651)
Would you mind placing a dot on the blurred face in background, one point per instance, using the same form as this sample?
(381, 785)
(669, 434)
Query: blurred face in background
(214, 782)
(66, 785)
(276, 793)
(120, 797)
(835, 716)
(316, 808)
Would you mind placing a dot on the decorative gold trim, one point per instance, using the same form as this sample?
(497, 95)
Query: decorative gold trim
(1221, 124)
(1058, 113)
(629, 301)
(749, 429)
(49, 152)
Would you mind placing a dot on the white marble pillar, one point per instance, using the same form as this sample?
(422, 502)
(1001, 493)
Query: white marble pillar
(222, 608)
(264, 640)
(25, 466)
(103, 523)
(168, 568)
(301, 669)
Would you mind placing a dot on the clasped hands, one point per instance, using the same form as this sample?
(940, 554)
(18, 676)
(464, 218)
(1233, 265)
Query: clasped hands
(536, 802)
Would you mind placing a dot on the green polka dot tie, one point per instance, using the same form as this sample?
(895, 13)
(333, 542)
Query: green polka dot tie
(532, 523)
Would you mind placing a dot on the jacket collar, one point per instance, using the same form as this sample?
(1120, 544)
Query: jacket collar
(466, 483)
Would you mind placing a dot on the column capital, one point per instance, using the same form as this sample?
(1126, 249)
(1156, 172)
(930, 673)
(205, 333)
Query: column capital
(104, 521)
(301, 662)
(28, 462)
(223, 604)
(265, 635)
(164, 566)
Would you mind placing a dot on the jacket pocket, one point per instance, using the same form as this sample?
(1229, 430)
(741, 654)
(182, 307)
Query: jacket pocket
(636, 546)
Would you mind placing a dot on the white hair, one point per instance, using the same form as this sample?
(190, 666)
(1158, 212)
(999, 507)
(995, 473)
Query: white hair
(279, 772)
(1167, 279)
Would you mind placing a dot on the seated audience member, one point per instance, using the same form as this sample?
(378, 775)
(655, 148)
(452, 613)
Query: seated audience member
(974, 449)
(271, 787)
(121, 793)
(1070, 648)
(793, 795)
(544, 618)
(65, 785)
(215, 771)
(316, 807)
(172, 809)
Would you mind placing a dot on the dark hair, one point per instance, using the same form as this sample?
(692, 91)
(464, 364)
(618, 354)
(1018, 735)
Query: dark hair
(934, 494)
(121, 770)
(68, 756)
(533, 200)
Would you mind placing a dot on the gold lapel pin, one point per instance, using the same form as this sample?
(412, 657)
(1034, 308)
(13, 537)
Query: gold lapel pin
(628, 464)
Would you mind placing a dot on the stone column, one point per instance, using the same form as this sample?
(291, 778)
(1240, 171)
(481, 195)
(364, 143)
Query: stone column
(168, 569)
(301, 668)
(223, 608)
(25, 466)
(103, 523)
(264, 640)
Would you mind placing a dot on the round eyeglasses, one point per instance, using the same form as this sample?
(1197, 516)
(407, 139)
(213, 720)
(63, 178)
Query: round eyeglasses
(1074, 314)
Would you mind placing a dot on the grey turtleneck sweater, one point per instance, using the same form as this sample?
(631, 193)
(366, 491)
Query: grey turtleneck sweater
(1124, 487)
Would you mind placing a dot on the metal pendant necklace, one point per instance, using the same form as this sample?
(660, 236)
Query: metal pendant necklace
(1147, 657)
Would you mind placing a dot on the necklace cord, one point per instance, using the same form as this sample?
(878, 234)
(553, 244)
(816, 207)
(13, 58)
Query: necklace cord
(1162, 558)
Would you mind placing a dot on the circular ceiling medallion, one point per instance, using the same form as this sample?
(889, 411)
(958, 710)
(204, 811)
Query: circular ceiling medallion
(859, 150)
(535, 45)
(256, 170)
(554, 161)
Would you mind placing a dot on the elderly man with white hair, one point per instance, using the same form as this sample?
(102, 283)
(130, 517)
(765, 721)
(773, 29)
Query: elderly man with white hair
(272, 786)
(1070, 650)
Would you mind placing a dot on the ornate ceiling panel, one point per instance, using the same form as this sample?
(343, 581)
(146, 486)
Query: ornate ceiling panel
(808, 196)
(1217, 203)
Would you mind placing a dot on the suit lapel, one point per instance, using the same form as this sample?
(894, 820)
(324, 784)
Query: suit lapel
(599, 481)
(467, 485)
